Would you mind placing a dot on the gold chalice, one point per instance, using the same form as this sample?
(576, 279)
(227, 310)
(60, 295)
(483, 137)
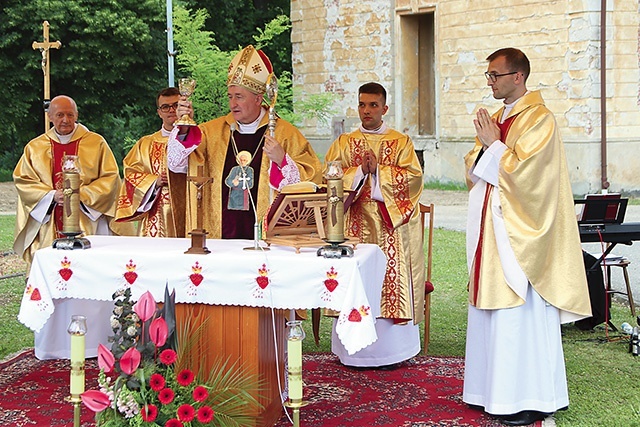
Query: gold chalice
(186, 87)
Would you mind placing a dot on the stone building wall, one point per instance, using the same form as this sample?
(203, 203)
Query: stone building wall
(430, 55)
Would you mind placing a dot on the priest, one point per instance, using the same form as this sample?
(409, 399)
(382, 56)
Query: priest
(145, 195)
(38, 180)
(380, 163)
(523, 253)
(241, 139)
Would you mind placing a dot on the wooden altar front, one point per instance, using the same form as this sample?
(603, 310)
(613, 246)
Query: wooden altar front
(244, 336)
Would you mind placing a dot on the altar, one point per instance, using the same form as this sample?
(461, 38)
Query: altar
(251, 288)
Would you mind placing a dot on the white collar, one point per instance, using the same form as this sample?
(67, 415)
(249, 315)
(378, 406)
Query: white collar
(253, 126)
(379, 131)
(65, 139)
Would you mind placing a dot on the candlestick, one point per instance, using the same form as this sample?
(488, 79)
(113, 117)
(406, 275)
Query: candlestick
(294, 366)
(335, 213)
(77, 329)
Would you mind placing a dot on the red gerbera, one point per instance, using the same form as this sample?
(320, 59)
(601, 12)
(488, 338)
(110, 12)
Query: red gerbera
(200, 393)
(156, 382)
(168, 356)
(149, 413)
(166, 396)
(186, 413)
(205, 414)
(185, 377)
(173, 423)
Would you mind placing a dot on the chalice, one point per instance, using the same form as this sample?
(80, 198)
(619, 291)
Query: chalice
(186, 87)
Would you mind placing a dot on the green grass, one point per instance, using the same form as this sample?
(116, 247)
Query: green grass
(603, 377)
(445, 185)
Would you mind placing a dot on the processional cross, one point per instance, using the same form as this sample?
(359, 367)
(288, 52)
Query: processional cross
(199, 234)
(44, 47)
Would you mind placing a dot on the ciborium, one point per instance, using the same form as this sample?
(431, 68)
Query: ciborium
(186, 86)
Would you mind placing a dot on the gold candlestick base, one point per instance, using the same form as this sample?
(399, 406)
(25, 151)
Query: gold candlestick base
(76, 402)
(295, 404)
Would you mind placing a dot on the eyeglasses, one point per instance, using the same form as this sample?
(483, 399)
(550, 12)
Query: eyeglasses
(165, 108)
(494, 77)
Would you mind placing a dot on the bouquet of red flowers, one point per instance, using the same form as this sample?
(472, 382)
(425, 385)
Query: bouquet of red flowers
(138, 380)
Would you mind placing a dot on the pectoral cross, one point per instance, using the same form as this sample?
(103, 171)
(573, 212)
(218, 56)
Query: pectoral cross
(44, 47)
(198, 235)
(244, 178)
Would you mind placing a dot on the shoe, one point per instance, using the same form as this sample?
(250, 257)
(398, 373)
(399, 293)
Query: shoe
(476, 407)
(523, 418)
(391, 367)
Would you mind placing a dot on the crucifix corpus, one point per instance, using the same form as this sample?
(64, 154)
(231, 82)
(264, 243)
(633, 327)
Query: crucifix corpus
(44, 47)
(199, 234)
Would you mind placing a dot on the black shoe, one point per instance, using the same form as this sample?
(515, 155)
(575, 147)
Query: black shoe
(391, 367)
(523, 418)
(476, 407)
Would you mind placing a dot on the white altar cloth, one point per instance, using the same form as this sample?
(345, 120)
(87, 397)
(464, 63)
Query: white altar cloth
(229, 275)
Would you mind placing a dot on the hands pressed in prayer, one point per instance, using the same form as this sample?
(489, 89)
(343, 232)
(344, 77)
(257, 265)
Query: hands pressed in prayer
(486, 128)
(273, 150)
(369, 162)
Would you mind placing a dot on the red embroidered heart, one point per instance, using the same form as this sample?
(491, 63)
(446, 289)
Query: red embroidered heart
(35, 295)
(262, 281)
(65, 273)
(355, 316)
(196, 278)
(331, 284)
(130, 276)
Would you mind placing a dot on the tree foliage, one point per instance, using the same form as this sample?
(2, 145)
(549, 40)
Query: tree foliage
(112, 62)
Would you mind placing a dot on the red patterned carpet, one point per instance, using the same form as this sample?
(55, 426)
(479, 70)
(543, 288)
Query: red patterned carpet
(423, 392)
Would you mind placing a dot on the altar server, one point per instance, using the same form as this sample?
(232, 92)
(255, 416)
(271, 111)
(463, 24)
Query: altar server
(381, 165)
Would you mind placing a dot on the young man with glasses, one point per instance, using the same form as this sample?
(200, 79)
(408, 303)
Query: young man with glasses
(526, 275)
(145, 195)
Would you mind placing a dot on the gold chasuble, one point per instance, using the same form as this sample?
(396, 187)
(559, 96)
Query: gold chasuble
(216, 153)
(538, 212)
(393, 224)
(142, 166)
(34, 179)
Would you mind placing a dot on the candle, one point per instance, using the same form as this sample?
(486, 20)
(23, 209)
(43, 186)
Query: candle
(77, 364)
(294, 350)
(77, 329)
(294, 358)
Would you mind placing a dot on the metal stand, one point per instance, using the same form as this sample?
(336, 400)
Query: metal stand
(71, 241)
(76, 402)
(335, 250)
(256, 241)
(295, 406)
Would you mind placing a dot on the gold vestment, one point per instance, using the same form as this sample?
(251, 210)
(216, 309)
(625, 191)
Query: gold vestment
(394, 224)
(99, 186)
(539, 215)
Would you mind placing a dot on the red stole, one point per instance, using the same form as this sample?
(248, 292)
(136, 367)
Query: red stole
(474, 282)
(58, 151)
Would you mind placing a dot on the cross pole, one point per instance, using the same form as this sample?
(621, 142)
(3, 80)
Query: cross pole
(44, 47)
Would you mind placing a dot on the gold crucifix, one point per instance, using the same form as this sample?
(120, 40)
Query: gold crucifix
(44, 47)
(199, 234)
